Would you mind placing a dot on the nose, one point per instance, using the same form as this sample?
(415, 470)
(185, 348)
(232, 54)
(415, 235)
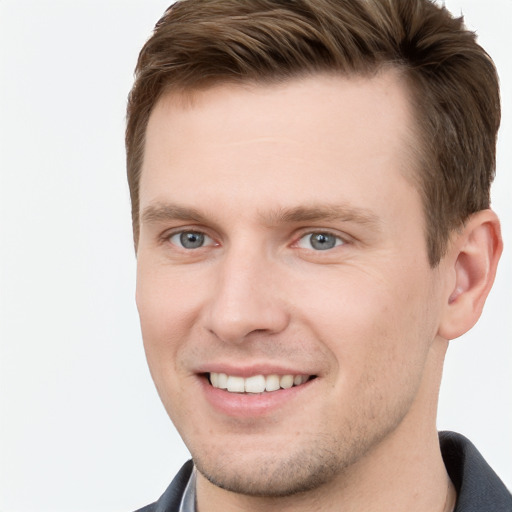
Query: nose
(247, 298)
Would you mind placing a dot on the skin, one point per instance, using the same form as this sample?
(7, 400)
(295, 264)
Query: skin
(257, 169)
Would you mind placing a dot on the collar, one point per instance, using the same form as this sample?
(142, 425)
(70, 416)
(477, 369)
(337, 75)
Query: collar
(188, 500)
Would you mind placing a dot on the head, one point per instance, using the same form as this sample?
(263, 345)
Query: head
(309, 185)
(452, 81)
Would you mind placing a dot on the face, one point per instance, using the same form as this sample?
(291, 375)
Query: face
(287, 306)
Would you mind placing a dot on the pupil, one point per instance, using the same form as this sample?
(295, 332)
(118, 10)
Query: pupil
(191, 240)
(322, 241)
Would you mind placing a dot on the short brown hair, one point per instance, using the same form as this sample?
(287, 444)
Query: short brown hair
(454, 84)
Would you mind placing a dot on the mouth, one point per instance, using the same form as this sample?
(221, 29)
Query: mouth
(256, 384)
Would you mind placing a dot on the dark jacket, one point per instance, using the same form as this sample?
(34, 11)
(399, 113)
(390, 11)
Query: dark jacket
(171, 498)
(478, 487)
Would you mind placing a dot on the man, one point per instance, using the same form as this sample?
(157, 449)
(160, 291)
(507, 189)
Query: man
(310, 198)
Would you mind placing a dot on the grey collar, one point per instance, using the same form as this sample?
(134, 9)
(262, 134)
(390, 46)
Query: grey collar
(188, 500)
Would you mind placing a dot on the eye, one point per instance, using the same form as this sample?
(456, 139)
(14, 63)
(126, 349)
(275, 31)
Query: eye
(319, 241)
(191, 239)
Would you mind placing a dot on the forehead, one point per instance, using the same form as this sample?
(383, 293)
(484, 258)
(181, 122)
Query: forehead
(249, 139)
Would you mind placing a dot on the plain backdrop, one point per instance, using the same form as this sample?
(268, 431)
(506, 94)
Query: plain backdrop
(81, 427)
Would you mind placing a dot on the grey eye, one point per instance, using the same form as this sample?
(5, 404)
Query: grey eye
(190, 239)
(319, 241)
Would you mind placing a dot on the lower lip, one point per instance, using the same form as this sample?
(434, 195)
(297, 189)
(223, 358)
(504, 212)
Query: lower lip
(245, 405)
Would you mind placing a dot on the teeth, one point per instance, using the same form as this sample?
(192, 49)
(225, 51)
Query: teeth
(297, 380)
(236, 384)
(222, 381)
(255, 383)
(272, 383)
(286, 381)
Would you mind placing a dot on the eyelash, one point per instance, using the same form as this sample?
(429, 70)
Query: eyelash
(169, 236)
(338, 240)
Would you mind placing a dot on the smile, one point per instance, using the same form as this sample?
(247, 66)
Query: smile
(256, 383)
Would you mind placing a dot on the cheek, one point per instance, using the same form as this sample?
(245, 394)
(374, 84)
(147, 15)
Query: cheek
(373, 323)
(164, 311)
(166, 320)
(167, 299)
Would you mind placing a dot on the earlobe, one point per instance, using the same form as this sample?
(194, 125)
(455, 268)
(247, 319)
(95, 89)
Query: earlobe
(474, 256)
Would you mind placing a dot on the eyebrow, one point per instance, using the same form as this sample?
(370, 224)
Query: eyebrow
(166, 212)
(314, 213)
(317, 213)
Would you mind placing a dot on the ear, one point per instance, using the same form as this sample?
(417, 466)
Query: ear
(472, 260)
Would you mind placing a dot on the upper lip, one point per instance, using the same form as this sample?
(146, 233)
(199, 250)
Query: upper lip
(244, 370)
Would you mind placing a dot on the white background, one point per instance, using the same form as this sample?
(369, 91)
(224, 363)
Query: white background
(81, 427)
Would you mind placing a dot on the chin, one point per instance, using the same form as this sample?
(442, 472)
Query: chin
(271, 475)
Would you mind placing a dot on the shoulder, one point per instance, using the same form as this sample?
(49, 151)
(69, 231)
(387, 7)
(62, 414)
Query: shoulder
(478, 487)
(171, 498)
